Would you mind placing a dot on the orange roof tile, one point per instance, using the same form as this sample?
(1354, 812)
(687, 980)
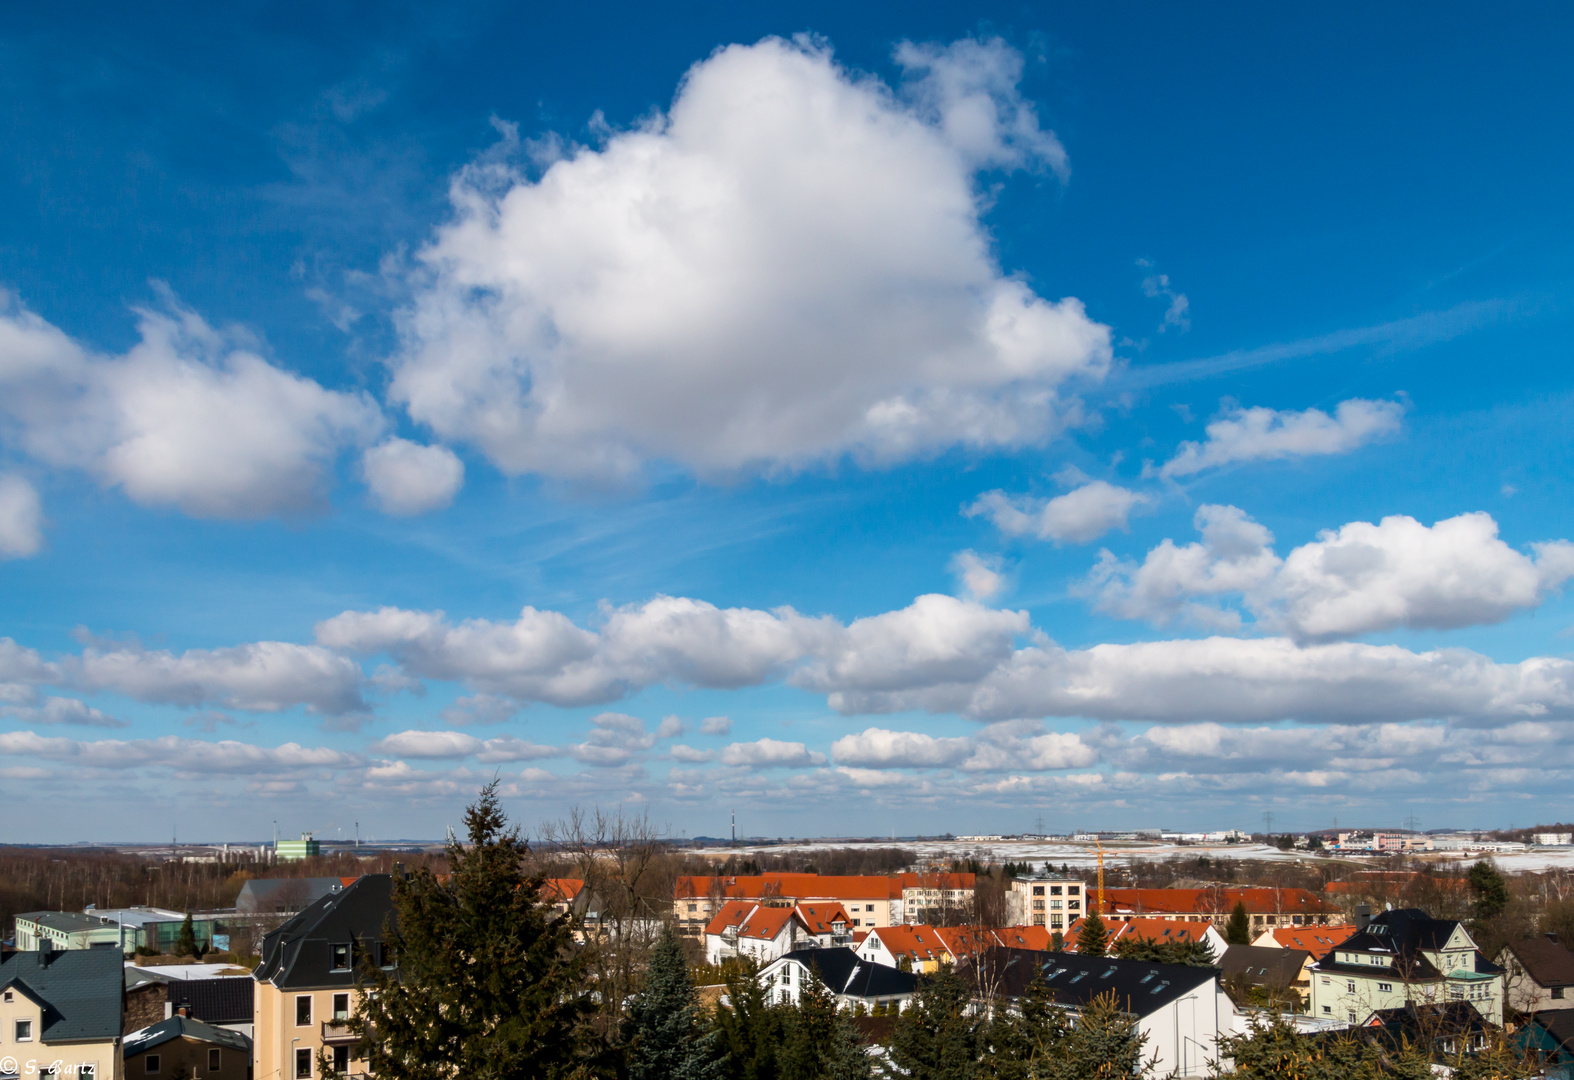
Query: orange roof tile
(1258, 900)
(1151, 929)
(919, 942)
(1317, 940)
(820, 917)
(556, 890)
(752, 920)
(1025, 937)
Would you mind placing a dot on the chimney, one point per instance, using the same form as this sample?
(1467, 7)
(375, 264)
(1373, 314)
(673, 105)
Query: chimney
(1363, 917)
(46, 948)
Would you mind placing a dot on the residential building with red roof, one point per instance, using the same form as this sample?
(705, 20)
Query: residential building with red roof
(763, 932)
(1267, 907)
(920, 946)
(869, 900)
(1317, 940)
(1160, 930)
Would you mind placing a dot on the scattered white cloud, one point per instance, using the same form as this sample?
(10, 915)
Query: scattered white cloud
(681, 752)
(671, 727)
(184, 755)
(616, 738)
(770, 754)
(59, 710)
(1353, 580)
(190, 417)
(716, 725)
(879, 748)
(1000, 747)
(785, 266)
(427, 744)
(1262, 434)
(21, 518)
(1177, 316)
(478, 709)
(1078, 517)
(407, 478)
(264, 676)
(979, 575)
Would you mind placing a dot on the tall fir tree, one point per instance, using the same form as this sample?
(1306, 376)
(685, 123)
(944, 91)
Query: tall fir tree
(819, 1042)
(749, 1027)
(1490, 890)
(668, 1038)
(1238, 931)
(1093, 937)
(1023, 1039)
(937, 1037)
(1104, 1044)
(186, 941)
(489, 984)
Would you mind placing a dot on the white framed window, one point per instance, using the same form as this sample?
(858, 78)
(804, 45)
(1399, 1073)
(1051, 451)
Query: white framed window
(303, 1064)
(303, 1011)
(340, 957)
(87, 1071)
(1385, 987)
(341, 1006)
(341, 1059)
(24, 1031)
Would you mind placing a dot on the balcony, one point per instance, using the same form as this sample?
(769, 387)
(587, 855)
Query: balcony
(338, 1032)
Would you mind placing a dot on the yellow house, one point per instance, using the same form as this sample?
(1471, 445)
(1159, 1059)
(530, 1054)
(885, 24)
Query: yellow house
(306, 983)
(60, 1014)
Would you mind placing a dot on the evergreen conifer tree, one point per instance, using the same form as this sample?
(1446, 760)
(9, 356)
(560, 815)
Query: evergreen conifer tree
(1104, 1043)
(1022, 1039)
(1093, 937)
(749, 1027)
(819, 1042)
(186, 942)
(667, 1038)
(489, 984)
(1490, 890)
(1238, 931)
(936, 1038)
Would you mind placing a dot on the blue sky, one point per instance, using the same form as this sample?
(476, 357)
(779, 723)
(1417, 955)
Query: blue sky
(876, 418)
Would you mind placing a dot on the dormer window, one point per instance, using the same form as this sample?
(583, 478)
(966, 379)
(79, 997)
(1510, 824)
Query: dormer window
(339, 957)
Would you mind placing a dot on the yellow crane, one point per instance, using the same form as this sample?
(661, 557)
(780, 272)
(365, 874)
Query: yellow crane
(1100, 846)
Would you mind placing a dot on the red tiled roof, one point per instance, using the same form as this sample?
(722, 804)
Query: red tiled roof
(919, 942)
(560, 890)
(1025, 937)
(936, 881)
(1152, 929)
(819, 917)
(1316, 940)
(1221, 900)
(752, 920)
(791, 887)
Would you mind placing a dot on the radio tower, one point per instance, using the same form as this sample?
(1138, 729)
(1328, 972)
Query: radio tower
(735, 828)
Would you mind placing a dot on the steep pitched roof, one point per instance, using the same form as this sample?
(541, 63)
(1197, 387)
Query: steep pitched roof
(229, 1000)
(820, 917)
(1139, 987)
(1314, 939)
(286, 894)
(183, 1027)
(79, 991)
(919, 942)
(1547, 962)
(1025, 937)
(965, 940)
(1262, 966)
(750, 920)
(561, 890)
(297, 954)
(843, 972)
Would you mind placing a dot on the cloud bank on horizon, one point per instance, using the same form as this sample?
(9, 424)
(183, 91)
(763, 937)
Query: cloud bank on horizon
(795, 277)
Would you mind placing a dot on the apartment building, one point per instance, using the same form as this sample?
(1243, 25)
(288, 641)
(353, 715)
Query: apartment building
(1538, 974)
(1405, 957)
(869, 900)
(1051, 902)
(1267, 907)
(306, 981)
(181, 1046)
(60, 1012)
(762, 933)
(936, 897)
(64, 931)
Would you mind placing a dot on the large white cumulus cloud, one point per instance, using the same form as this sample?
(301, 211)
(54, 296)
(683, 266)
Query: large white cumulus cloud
(1359, 578)
(190, 417)
(786, 266)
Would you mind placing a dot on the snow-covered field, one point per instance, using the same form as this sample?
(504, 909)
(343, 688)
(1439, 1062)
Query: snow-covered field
(1082, 856)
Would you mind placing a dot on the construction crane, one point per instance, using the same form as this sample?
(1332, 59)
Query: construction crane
(1100, 846)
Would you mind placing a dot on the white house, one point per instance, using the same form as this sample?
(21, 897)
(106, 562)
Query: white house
(761, 933)
(1180, 1010)
(851, 981)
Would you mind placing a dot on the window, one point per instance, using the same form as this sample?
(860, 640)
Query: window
(1074, 905)
(1351, 1015)
(385, 955)
(1038, 890)
(340, 957)
(1054, 890)
(150, 1064)
(857, 922)
(303, 1012)
(1073, 890)
(1349, 987)
(785, 995)
(87, 1071)
(213, 1059)
(869, 907)
(1328, 1009)
(341, 1059)
(694, 907)
(1385, 988)
(9, 997)
(341, 1006)
(303, 1065)
(24, 1031)
(1557, 992)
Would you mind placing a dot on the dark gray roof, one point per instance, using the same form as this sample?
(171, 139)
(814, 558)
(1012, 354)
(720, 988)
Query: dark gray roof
(1547, 961)
(843, 972)
(264, 895)
(1403, 933)
(296, 956)
(226, 1000)
(178, 1027)
(1263, 966)
(1559, 1023)
(1074, 980)
(80, 990)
